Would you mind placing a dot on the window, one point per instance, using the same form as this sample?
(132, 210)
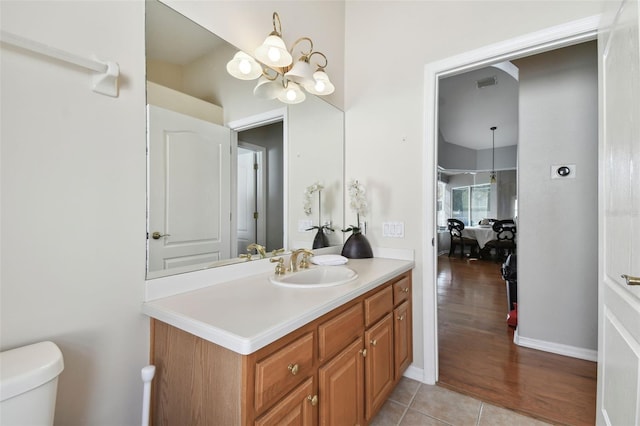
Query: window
(471, 204)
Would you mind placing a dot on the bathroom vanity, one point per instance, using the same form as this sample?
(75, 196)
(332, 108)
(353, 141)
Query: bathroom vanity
(248, 352)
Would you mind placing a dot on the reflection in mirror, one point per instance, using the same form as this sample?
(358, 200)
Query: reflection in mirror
(208, 204)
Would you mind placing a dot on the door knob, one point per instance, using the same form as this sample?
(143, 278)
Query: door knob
(156, 235)
(631, 280)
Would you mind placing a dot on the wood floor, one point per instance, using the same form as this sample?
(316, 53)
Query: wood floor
(477, 355)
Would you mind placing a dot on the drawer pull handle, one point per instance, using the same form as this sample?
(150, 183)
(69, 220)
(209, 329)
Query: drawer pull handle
(363, 352)
(293, 368)
(374, 342)
(313, 400)
(401, 317)
(405, 290)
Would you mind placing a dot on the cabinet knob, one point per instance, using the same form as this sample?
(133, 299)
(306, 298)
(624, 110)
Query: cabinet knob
(374, 342)
(313, 400)
(363, 352)
(405, 290)
(293, 368)
(401, 317)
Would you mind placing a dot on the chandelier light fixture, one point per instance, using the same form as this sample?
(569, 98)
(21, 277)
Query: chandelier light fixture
(282, 79)
(493, 154)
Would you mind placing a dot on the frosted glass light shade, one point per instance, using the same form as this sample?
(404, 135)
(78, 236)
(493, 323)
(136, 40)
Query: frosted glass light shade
(300, 73)
(273, 52)
(244, 67)
(267, 89)
(292, 94)
(320, 85)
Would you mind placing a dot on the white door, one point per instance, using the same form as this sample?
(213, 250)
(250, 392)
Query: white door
(247, 208)
(619, 302)
(189, 190)
(252, 209)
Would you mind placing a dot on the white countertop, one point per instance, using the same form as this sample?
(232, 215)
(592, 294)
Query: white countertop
(246, 314)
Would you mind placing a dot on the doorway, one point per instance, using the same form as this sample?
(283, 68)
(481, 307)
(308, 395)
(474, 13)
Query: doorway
(554, 38)
(259, 182)
(545, 200)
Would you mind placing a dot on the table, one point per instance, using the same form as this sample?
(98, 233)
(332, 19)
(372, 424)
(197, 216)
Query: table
(483, 234)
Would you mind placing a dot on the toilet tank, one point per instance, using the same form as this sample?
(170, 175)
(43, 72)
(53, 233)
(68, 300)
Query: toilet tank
(28, 384)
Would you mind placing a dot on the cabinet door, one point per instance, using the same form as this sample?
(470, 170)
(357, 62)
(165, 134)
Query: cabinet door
(296, 409)
(403, 336)
(379, 374)
(341, 388)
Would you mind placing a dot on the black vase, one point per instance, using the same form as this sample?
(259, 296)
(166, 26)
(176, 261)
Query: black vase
(357, 247)
(320, 240)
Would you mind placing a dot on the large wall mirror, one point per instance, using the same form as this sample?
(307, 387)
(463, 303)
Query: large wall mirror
(225, 168)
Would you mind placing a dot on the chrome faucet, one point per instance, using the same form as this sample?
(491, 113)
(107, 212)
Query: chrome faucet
(293, 259)
(260, 249)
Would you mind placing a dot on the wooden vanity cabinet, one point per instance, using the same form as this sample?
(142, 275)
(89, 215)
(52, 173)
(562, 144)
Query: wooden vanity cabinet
(336, 370)
(403, 324)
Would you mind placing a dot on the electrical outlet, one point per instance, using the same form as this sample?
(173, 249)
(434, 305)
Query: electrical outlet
(363, 227)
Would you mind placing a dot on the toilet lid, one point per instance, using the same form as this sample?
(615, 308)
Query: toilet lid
(28, 367)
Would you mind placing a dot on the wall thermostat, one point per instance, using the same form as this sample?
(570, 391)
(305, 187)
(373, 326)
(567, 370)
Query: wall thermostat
(563, 171)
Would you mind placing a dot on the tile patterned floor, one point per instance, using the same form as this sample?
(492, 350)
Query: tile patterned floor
(415, 404)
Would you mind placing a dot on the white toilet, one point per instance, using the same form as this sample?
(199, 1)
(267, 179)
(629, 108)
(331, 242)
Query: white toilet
(28, 384)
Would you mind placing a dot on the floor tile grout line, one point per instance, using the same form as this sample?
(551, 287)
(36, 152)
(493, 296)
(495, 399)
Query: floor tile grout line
(413, 397)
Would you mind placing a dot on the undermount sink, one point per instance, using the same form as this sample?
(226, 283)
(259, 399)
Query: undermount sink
(320, 276)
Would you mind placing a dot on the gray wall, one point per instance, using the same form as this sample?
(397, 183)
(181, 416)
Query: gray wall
(557, 234)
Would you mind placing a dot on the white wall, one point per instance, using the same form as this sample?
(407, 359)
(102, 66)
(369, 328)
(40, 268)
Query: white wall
(73, 204)
(387, 46)
(557, 238)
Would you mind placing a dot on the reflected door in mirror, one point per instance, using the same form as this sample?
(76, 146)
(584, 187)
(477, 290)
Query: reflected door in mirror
(189, 207)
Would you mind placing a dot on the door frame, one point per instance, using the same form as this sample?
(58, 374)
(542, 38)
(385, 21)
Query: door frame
(251, 122)
(552, 38)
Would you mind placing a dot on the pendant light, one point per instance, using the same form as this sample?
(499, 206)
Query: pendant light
(290, 76)
(493, 154)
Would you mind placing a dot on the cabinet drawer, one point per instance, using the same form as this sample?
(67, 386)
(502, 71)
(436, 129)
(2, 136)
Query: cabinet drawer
(339, 331)
(278, 373)
(402, 289)
(378, 305)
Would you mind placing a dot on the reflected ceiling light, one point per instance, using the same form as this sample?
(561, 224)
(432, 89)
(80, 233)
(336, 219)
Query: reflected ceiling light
(244, 67)
(289, 79)
(493, 154)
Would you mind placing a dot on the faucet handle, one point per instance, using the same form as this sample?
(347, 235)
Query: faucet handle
(258, 248)
(277, 252)
(246, 256)
(304, 263)
(280, 269)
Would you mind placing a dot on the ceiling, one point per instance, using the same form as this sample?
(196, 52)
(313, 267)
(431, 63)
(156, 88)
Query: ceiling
(466, 113)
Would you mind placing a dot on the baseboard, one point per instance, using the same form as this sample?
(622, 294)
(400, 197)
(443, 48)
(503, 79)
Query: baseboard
(556, 348)
(415, 373)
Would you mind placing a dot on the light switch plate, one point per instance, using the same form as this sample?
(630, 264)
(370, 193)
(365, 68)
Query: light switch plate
(393, 229)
